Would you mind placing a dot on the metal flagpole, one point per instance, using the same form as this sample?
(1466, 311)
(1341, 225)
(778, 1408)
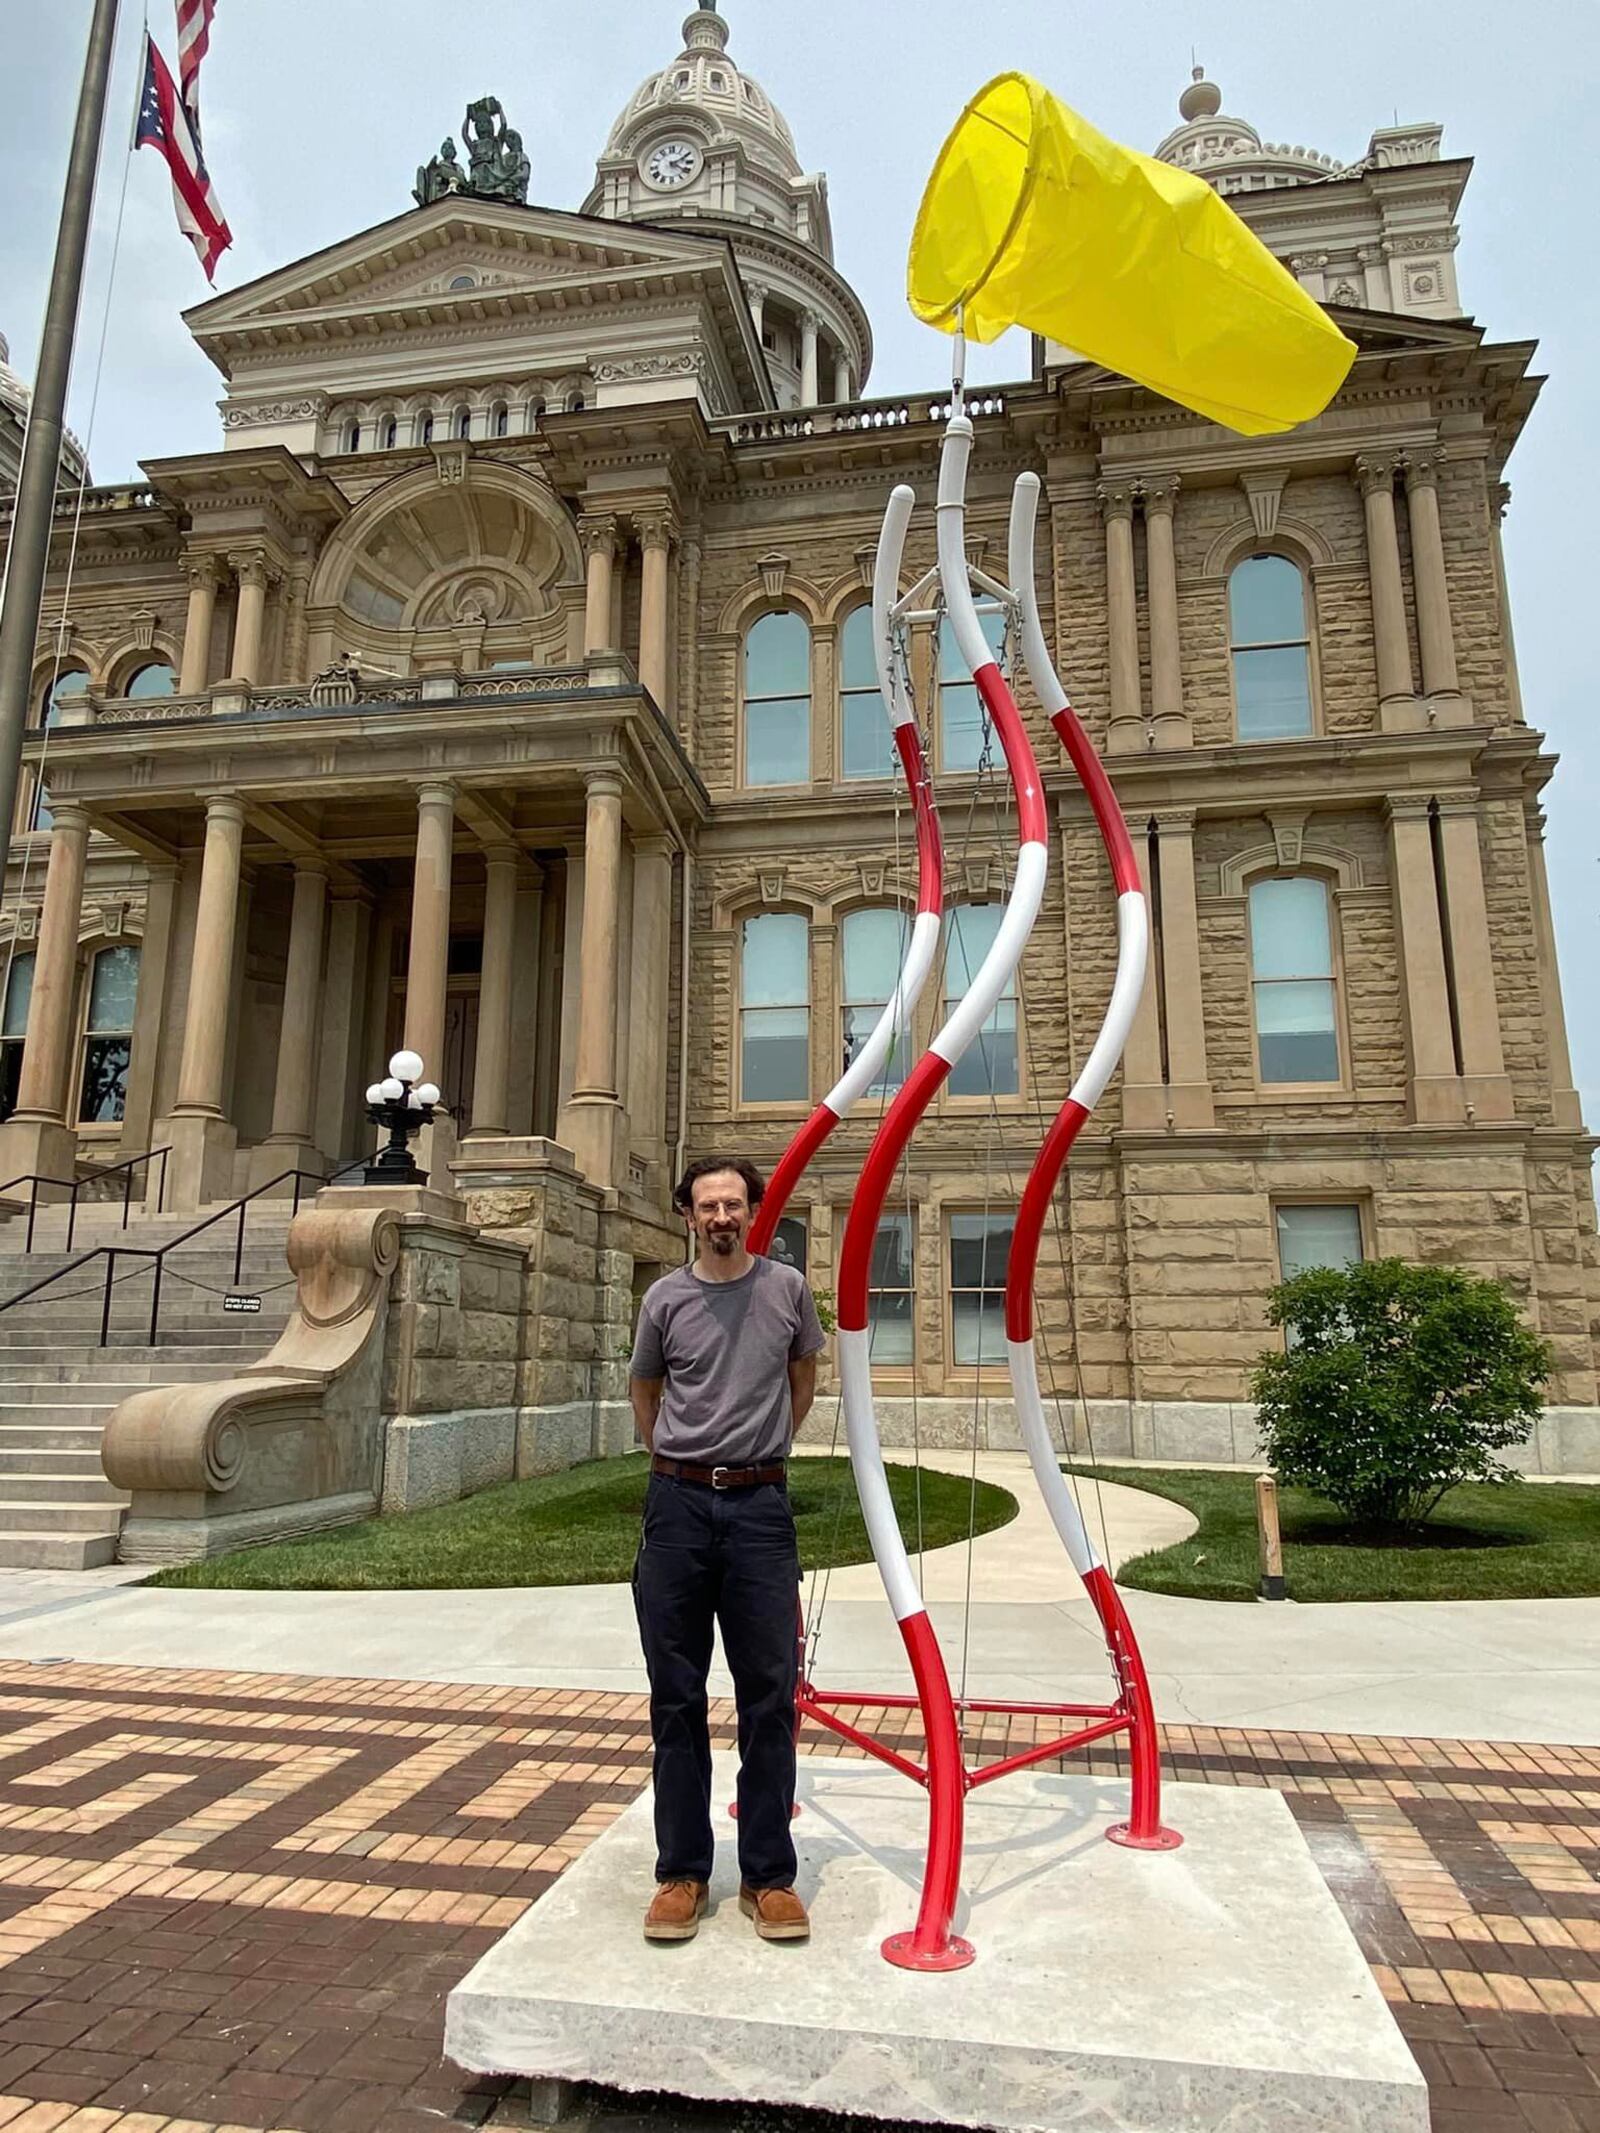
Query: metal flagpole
(31, 522)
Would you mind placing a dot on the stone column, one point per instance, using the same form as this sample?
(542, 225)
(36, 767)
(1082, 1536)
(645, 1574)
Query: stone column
(1484, 1083)
(1499, 498)
(1435, 1087)
(757, 297)
(1563, 1096)
(39, 1136)
(598, 531)
(592, 1119)
(428, 960)
(653, 961)
(1127, 734)
(343, 1069)
(149, 1016)
(809, 323)
(656, 530)
(1435, 633)
(1170, 720)
(1144, 1095)
(491, 1079)
(1188, 1076)
(255, 574)
(195, 673)
(550, 989)
(841, 376)
(202, 1139)
(1397, 710)
(292, 1142)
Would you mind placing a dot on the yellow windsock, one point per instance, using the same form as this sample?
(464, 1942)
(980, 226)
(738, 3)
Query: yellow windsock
(1034, 218)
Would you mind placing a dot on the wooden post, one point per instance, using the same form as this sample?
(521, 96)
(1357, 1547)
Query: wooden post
(1270, 1537)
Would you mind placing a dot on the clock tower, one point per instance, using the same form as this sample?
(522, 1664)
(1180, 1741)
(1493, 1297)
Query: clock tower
(701, 141)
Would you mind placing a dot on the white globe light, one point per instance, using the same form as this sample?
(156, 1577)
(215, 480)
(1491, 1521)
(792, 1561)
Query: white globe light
(406, 1066)
(413, 1101)
(428, 1094)
(391, 1090)
(375, 1093)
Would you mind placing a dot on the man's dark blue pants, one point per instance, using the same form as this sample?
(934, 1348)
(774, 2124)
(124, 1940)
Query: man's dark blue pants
(729, 1557)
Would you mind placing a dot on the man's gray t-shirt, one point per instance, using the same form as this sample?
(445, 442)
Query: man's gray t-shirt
(724, 1348)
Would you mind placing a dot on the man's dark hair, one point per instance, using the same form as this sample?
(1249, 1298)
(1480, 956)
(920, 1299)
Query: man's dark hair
(755, 1184)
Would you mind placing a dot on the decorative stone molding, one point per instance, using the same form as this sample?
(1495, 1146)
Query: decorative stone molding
(598, 532)
(634, 368)
(770, 882)
(1264, 494)
(292, 1443)
(1500, 498)
(867, 562)
(1288, 825)
(450, 461)
(1376, 470)
(1117, 498)
(268, 413)
(253, 568)
(656, 529)
(144, 631)
(1236, 872)
(976, 876)
(872, 873)
(774, 571)
(1160, 494)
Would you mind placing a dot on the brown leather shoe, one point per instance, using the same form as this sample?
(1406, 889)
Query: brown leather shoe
(779, 1914)
(676, 1911)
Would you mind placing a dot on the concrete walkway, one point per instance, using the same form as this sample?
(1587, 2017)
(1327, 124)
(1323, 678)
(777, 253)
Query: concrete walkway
(1485, 1670)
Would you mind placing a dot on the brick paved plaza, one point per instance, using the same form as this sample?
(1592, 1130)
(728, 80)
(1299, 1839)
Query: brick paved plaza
(238, 1901)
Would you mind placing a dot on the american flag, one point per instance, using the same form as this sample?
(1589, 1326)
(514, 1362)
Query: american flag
(165, 125)
(194, 41)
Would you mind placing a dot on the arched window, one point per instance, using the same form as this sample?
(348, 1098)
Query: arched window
(1271, 648)
(774, 1009)
(874, 946)
(352, 437)
(108, 1035)
(13, 1029)
(963, 722)
(536, 411)
(575, 403)
(69, 686)
(463, 429)
(777, 701)
(156, 679)
(391, 433)
(1292, 982)
(425, 428)
(500, 419)
(866, 740)
(990, 1065)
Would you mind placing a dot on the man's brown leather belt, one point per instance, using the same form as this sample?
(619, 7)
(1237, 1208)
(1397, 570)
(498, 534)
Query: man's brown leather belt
(719, 1477)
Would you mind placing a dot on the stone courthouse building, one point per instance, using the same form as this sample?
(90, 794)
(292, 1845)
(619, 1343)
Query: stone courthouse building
(502, 682)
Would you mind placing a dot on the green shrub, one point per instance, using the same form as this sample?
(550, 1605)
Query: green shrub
(1398, 1382)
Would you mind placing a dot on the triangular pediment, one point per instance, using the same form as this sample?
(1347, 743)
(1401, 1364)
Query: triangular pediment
(460, 253)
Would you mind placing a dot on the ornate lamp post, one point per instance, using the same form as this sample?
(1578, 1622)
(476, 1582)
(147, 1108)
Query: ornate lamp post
(404, 1103)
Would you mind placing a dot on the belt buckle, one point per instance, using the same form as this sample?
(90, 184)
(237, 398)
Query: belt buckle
(717, 1473)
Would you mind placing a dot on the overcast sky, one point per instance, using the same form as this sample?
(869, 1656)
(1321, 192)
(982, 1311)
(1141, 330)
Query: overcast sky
(318, 111)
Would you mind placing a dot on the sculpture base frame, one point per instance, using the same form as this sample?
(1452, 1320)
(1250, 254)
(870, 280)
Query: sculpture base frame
(1217, 1988)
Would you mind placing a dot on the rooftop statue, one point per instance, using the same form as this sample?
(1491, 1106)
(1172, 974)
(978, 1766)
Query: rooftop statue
(497, 164)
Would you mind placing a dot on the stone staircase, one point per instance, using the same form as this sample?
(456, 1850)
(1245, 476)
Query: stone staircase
(58, 1385)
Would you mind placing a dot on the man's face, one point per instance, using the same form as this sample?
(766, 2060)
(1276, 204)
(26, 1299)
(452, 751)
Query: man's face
(720, 1215)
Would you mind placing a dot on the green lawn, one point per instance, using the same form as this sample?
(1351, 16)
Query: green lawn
(576, 1528)
(1519, 1542)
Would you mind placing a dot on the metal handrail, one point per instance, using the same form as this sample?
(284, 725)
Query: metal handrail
(72, 1187)
(110, 1253)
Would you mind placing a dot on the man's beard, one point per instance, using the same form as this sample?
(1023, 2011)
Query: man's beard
(724, 1241)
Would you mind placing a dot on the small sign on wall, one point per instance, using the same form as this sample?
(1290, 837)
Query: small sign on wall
(241, 1303)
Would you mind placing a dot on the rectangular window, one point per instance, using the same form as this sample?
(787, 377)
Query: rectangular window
(1291, 963)
(980, 1246)
(108, 1042)
(775, 1010)
(777, 701)
(874, 951)
(990, 1065)
(1273, 686)
(790, 1243)
(1318, 1235)
(866, 739)
(963, 722)
(891, 1326)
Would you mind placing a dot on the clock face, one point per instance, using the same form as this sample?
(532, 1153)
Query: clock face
(673, 164)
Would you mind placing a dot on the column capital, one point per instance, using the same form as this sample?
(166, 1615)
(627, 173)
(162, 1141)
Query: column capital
(758, 290)
(1500, 498)
(1535, 817)
(499, 853)
(1458, 800)
(1422, 468)
(436, 792)
(603, 784)
(1179, 820)
(1374, 472)
(656, 528)
(598, 531)
(202, 573)
(223, 807)
(659, 844)
(1116, 498)
(69, 816)
(1407, 807)
(311, 863)
(810, 321)
(1160, 494)
(253, 568)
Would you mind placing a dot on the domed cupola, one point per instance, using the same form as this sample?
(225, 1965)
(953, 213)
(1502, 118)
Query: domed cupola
(1229, 153)
(15, 400)
(701, 141)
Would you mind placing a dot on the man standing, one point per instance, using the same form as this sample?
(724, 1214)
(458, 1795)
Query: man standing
(724, 1371)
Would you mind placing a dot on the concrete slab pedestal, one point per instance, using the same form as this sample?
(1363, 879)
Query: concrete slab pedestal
(1200, 1991)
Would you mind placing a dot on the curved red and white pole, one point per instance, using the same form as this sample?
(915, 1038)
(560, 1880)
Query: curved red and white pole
(931, 1944)
(1143, 1828)
(923, 944)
